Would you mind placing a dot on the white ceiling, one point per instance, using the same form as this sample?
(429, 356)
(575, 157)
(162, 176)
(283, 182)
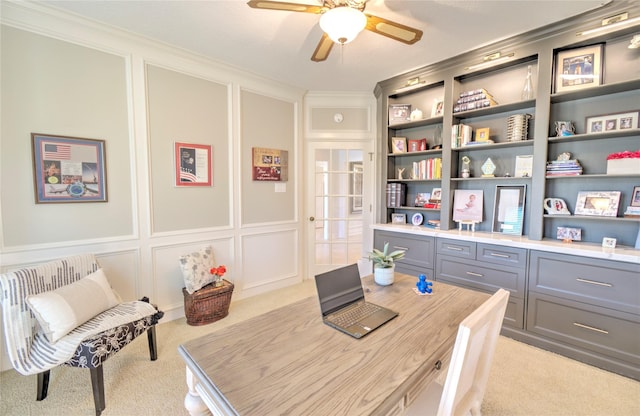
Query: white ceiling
(278, 44)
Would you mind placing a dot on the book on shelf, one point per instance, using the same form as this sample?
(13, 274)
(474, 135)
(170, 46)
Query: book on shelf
(569, 167)
(396, 194)
(427, 169)
(473, 100)
(632, 212)
(461, 135)
(433, 224)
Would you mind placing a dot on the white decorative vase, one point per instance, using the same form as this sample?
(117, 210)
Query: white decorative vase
(384, 276)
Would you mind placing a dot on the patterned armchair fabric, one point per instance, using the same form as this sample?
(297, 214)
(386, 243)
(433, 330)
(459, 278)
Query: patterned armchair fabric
(88, 345)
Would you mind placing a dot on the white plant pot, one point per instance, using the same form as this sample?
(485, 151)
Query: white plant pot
(384, 276)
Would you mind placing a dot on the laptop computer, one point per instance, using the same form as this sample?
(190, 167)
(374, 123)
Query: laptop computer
(343, 305)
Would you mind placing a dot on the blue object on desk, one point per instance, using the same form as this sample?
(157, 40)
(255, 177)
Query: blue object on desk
(424, 286)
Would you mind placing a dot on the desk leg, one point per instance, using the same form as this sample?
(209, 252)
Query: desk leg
(192, 401)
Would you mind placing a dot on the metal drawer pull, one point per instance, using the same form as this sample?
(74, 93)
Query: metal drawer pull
(500, 255)
(593, 282)
(602, 331)
(454, 248)
(401, 248)
(475, 274)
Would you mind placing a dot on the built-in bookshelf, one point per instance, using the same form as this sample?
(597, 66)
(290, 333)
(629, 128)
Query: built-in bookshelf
(490, 135)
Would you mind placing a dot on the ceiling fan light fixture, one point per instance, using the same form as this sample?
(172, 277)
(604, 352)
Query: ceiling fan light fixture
(342, 24)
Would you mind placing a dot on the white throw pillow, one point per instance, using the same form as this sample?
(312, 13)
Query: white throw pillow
(196, 269)
(62, 310)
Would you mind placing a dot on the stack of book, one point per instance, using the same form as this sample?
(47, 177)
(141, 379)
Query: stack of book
(427, 169)
(473, 100)
(564, 168)
(632, 212)
(396, 194)
(461, 135)
(433, 224)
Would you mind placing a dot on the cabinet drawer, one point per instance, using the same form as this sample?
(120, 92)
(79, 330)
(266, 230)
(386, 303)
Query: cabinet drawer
(597, 329)
(419, 251)
(458, 248)
(509, 256)
(605, 283)
(478, 275)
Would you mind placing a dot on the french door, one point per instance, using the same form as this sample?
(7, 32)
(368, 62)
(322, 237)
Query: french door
(339, 184)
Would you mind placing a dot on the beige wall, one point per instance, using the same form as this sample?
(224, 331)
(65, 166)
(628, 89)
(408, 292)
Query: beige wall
(184, 108)
(58, 88)
(267, 122)
(63, 75)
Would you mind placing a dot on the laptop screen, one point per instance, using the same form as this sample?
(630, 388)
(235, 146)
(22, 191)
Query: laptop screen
(339, 288)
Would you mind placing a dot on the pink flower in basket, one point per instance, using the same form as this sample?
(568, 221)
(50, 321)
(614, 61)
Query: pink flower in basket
(218, 272)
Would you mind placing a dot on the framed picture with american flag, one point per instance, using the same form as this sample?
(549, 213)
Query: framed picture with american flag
(193, 164)
(69, 169)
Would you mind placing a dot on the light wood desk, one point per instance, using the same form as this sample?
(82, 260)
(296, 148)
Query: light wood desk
(287, 362)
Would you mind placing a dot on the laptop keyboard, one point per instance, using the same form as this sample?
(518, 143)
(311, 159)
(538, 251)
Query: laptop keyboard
(350, 316)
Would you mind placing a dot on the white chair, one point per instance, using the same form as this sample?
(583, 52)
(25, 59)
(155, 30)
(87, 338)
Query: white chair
(468, 373)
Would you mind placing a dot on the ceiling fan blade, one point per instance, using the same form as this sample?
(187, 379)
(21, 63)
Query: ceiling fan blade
(291, 7)
(393, 30)
(322, 50)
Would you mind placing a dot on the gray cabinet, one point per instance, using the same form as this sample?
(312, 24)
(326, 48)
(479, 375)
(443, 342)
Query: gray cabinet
(485, 267)
(419, 252)
(590, 306)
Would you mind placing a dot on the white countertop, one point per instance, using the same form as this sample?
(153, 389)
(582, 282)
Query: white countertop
(592, 250)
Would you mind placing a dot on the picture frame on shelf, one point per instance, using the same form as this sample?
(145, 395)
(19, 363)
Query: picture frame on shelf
(482, 134)
(416, 145)
(468, 205)
(68, 169)
(524, 166)
(397, 218)
(600, 204)
(417, 219)
(569, 234)
(399, 113)
(612, 122)
(564, 128)
(508, 209)
(438, 107)
(635, 197)
(436, 194)
(422, 198)
(398, 145)
(578, 68)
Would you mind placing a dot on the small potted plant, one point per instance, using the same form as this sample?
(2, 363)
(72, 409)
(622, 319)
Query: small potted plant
(384, 264)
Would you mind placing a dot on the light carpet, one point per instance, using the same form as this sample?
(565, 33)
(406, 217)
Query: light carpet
(524, 380)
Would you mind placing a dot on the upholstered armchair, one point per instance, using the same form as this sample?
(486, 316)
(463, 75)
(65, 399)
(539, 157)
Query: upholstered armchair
(65, 313)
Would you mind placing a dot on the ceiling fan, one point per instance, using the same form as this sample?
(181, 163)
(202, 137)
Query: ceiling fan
(345, 16)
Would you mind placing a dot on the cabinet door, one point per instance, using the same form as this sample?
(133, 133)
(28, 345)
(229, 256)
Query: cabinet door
(600, 330)
(419, 251)
(606, 283)
(457, 248)
(507, 256)
(478, 275)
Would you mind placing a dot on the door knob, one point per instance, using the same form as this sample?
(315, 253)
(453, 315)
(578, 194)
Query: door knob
(312, 219)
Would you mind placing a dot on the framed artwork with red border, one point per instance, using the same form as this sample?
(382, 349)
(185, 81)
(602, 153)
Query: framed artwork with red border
(193, 164)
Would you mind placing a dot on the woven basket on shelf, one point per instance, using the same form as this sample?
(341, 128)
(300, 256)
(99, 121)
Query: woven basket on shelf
(208, 304)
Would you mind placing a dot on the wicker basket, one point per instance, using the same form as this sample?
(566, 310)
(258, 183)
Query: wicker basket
(208, 304)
